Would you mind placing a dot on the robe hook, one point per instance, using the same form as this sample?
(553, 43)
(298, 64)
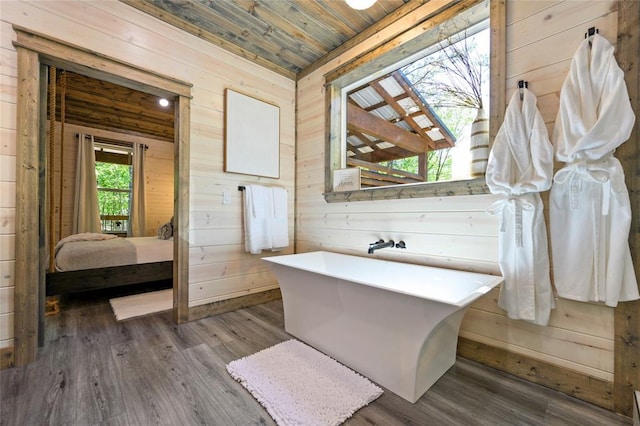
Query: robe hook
(590, 33)
(522, 84)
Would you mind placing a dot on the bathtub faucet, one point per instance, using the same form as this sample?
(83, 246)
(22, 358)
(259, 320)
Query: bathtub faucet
(379, 245)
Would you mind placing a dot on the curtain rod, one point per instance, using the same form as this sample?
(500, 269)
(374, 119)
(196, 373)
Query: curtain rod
(108, 141)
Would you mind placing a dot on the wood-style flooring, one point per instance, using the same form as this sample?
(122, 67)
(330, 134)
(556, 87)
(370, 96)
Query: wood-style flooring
(149, 371)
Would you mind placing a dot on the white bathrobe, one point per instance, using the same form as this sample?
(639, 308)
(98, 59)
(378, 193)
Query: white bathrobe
(589, 208)
(520, 166)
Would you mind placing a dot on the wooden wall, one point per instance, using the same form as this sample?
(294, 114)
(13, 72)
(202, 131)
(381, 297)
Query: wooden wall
(450, 231)
(158, 176)
(218, 266)
(8, 74)
(541, 40)
(456, 232)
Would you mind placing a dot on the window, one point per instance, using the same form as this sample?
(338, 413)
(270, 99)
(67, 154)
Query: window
(414, 124)
(400, 125)
(114, 175)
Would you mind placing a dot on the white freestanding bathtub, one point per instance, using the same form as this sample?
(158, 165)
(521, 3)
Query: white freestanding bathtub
(395, 323)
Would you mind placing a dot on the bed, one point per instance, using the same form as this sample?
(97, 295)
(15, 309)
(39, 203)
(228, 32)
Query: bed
(97, 261)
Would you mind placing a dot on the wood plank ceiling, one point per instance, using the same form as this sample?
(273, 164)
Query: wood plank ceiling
(107, 106)
(285, 36)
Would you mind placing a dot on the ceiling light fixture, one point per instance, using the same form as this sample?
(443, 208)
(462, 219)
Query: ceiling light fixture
(163, 102)
(360, 4)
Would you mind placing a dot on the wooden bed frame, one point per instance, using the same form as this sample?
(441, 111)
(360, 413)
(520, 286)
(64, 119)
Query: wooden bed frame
(113, 276)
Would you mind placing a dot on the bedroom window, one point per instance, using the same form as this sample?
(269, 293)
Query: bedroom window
(114, 176)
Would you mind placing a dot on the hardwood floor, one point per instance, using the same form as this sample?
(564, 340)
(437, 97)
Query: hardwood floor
(149, 371)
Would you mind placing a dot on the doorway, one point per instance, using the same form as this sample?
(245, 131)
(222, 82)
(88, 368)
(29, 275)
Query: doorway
(116, 125)
(35, 52)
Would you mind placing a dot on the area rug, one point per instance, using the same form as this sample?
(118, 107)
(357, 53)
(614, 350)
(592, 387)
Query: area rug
(141, 304)
(298, 385)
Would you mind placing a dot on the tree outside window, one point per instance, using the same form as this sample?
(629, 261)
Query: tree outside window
(114, 175)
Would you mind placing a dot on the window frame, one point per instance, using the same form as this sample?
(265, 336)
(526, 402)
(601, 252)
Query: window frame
(339, 79)
(121, 159)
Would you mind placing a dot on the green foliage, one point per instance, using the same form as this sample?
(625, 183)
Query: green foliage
(111, 175)
(114, 188)
(409, 164)
(439, 165)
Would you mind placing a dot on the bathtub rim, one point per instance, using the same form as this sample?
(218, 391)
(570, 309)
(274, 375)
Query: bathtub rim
(491, 282)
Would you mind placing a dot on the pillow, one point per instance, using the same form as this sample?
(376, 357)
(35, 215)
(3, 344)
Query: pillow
(166, 231)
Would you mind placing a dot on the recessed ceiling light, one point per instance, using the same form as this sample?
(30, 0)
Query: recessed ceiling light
(163, 102)
(360, 4)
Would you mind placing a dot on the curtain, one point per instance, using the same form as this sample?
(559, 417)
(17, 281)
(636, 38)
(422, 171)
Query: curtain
(137, 213)
(86, 213)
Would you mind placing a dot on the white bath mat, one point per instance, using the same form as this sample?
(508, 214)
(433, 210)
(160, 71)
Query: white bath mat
(141, 304)
(298, 385)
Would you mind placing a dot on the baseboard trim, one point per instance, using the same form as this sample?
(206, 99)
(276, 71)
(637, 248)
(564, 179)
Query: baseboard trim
(578, 385)
(228, 305)
(7, 358)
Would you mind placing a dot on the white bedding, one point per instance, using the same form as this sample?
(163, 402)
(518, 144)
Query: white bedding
(88, 251)
(152, 249)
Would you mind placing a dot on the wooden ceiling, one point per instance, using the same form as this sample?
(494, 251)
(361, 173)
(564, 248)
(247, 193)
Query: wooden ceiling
(290, 37)
(286, 36)
(107, 106)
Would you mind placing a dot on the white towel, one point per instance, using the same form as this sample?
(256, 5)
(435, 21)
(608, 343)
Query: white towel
(279, 225)
(257, 208)
(265, 219)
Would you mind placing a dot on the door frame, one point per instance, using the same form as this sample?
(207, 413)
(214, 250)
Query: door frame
(34, 51)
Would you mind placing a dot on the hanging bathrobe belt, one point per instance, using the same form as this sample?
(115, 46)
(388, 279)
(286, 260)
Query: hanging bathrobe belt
(516, 204)
(598, 171)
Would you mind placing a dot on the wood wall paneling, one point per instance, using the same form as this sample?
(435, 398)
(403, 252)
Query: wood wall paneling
(596, 391)
(181, 203)
(27, 220)
(234, 303)
(497, 97)
(157, 43)
(8, 165)
(567, 354)
(6, 357)
(627, 314)
(132, 37)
